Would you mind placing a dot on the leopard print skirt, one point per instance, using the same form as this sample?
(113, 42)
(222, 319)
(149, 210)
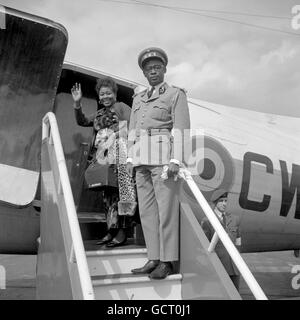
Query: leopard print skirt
(125, 182)
(117, 153)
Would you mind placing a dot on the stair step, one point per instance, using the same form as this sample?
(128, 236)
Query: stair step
(136, 287)
(91, 217)
(116, 261)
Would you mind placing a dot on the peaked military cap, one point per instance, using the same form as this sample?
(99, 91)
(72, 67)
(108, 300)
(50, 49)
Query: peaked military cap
(152, 52)
(217, 194)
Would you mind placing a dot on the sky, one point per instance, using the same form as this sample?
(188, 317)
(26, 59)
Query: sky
(239, 53)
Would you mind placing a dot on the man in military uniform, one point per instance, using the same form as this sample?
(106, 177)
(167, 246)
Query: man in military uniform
(159, 124)
(231, 225)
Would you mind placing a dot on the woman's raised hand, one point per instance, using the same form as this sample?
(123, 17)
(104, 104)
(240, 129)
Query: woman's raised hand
(76, 92)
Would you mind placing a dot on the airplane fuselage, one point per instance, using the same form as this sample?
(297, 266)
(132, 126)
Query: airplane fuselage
(255, 156)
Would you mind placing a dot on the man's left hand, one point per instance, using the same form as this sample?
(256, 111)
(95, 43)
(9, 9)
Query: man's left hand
(173, 169)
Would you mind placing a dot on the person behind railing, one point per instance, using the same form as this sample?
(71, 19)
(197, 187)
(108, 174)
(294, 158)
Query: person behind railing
(231, 224)
(110, 124)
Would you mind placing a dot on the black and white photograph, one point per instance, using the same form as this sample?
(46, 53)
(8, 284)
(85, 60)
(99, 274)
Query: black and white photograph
(149, 150)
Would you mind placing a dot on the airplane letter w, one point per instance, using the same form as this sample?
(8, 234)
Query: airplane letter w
(289, 189)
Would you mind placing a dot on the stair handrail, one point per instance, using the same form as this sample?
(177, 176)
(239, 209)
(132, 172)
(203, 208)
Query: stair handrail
(221, 233)
(50, 130)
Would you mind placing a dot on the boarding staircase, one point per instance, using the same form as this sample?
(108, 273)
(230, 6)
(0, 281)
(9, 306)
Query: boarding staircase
(112, 279)
(70, 268)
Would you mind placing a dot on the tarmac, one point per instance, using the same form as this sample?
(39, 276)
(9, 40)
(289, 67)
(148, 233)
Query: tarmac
(20, 277)
(272, 270)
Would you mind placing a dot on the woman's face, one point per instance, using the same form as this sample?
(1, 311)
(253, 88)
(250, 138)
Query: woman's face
(106, 96)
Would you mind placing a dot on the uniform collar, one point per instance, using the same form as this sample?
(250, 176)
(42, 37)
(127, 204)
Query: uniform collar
(219, 213)
(157, 86)
(159, 89)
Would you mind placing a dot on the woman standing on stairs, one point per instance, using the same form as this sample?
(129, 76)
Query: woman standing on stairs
(110, 123)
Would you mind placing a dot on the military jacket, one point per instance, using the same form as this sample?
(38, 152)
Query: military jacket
(157, 126)
(231, 224)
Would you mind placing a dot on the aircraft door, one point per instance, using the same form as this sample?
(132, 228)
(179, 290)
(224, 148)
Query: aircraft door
(32, 51)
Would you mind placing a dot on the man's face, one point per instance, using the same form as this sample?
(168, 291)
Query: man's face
(154, 70)
(222, 204)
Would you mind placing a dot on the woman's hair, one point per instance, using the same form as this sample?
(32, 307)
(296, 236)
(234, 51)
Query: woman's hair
(106, 82)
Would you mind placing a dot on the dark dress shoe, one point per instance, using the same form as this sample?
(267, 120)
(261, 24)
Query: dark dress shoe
(105, 239)
(147, 268)
(162, 271)
(116, 243)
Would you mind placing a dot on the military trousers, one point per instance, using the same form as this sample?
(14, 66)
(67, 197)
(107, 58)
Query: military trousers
(159, 211)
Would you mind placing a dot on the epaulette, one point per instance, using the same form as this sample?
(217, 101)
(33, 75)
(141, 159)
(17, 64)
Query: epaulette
(181, 89)
(139, 93)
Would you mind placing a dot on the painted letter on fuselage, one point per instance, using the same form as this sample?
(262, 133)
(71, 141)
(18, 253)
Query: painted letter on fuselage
(289, 189)
(245, 203)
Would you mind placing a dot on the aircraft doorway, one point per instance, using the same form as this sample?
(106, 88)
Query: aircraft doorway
(78, 141)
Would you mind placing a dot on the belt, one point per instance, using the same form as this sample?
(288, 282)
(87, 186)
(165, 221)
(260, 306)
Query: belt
(153, 132)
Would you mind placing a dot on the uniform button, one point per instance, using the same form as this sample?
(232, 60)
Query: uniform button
(142, 122)
(143, 115)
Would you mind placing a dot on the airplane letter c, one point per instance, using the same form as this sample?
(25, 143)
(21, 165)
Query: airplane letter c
(245, 203)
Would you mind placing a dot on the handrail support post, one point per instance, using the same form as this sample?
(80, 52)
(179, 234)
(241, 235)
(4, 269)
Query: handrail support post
(213, 243)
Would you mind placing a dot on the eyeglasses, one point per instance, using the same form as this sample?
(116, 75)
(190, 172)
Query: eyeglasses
(156, 67)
